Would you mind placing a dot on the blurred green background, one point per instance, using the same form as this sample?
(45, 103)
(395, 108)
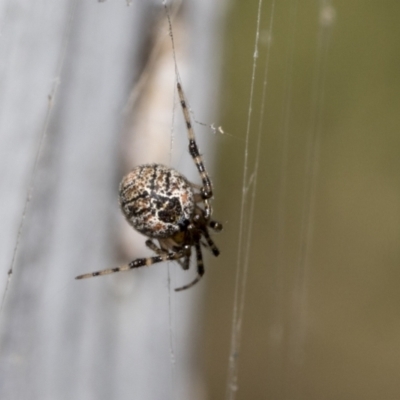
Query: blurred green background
(343, 340)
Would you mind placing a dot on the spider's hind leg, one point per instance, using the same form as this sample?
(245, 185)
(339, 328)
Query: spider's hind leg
(139, 262)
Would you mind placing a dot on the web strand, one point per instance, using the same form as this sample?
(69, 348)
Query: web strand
(277, 319)
(299, 311)
(42, 139)
(170, 299)
(241, 272)
(255, 173)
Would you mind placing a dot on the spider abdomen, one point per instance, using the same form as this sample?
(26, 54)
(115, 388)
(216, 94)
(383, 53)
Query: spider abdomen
(156, 200)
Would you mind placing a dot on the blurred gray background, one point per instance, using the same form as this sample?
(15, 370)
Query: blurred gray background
(321, 317)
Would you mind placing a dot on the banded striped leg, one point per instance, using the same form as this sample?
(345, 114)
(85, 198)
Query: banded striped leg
(206, 189)
(140, 262)
(200, 269)
(210, 243)
(183, 263)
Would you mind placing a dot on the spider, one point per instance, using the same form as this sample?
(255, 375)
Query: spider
(162, 204)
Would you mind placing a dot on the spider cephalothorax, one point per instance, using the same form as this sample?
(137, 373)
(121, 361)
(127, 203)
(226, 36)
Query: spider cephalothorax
(162, 204)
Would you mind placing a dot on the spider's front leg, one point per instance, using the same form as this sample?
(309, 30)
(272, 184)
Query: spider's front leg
(139, 262)
(206, 189)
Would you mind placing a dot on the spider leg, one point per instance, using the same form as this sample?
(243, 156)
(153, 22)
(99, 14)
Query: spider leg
(206, 189)
(170, 245)
(139, 262)
(185, 262)
(215, 226)
(198, 198)
(152, 246)
(200, 269)
(210, 243)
